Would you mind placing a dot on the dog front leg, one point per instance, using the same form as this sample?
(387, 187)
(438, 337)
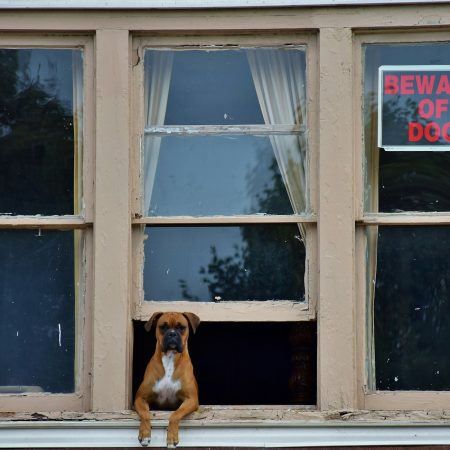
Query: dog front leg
(188, 406)
(145, 430)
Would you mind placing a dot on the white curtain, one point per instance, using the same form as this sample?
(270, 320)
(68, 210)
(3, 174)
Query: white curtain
(156, 91)
(279, 78)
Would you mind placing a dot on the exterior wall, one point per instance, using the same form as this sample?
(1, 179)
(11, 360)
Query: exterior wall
(337, 155)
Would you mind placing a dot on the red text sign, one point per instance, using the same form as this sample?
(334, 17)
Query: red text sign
(414, 108)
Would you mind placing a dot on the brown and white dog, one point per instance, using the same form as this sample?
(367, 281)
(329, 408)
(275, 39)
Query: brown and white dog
(169, 380)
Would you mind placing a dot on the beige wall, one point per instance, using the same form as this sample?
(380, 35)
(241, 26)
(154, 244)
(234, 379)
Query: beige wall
(336, 275)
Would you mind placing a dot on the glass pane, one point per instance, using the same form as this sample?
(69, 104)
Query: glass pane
(412, 308)
(39, 89)
(225, 87)
(402, 181)
(37, 311)
(223, 175)
(255, 262)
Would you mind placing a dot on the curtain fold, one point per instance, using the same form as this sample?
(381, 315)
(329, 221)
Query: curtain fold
(279, 78)
(156, 93)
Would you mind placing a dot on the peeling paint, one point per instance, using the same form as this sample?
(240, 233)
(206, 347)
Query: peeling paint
(234, 415)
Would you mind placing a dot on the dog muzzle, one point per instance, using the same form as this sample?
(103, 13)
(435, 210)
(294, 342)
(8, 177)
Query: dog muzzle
(172, 341)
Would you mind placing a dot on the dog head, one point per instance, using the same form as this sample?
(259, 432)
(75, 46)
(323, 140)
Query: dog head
(172, 329)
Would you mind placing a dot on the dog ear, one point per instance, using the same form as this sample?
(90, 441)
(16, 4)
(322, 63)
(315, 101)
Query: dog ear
(154, 318)
(194, 321)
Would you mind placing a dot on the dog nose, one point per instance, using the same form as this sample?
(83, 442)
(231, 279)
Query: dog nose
(172, 333)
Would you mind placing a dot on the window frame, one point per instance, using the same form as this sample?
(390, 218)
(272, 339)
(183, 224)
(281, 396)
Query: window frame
(81, 223)
(278, 310)
(369, 397)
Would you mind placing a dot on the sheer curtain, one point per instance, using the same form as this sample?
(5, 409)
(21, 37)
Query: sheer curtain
(279, 78)
(156, 91)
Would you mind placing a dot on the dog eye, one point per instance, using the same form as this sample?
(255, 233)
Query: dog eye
(181, 328)
(164, 327)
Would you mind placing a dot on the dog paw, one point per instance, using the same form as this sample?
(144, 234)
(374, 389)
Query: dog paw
(172, 446)
(145, 442)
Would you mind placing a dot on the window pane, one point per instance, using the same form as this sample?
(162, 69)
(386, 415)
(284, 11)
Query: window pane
(205, 87)
(402, 181)
(40, 96)
(37, 311)
(224, 175)
(255, 262)
(412, 308)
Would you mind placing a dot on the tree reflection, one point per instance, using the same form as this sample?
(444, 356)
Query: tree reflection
(36, 142)
(411, 307)
(270, 263)
(407, 180)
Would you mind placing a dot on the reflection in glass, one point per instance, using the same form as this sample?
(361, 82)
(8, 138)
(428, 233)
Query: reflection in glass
(37, 310)
(40, 129)
(402, 181)
(224, 87)
(412, 308)
(223, 175)
(255, 262)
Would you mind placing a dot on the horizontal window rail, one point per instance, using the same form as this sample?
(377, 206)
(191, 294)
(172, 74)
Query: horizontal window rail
(44, 222)
(211, 220)
(233, 311)
(411, 218)
(198, 130)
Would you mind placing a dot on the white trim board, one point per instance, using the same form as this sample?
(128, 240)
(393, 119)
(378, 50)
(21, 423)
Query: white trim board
(113, 434)
(188, 4)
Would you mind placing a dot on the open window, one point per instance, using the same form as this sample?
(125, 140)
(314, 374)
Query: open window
(406, 228)
(42, 217)
(226, 228)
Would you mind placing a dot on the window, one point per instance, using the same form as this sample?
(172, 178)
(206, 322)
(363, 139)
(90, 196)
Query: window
(42, 245)
(226, 228)
(405, 201)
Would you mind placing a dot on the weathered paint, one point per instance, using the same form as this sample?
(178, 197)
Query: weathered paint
(112, 229)
(336, 336)
(335, 112)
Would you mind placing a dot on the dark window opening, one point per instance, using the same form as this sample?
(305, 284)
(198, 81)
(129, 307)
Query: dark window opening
(244, 363)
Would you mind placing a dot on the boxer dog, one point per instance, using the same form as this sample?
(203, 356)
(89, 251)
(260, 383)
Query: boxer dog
(169, 380)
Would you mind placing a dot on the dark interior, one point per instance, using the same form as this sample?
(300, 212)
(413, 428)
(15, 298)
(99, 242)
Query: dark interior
(245, 363)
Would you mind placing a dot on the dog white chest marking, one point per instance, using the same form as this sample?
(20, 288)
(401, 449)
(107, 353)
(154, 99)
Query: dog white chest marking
(166, 388)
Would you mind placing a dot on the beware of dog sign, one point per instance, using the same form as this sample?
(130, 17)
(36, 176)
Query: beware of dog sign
(414, 108)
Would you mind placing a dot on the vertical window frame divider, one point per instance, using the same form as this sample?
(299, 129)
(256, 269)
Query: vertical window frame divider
(80, 399)
(369, 398)
(239, 310)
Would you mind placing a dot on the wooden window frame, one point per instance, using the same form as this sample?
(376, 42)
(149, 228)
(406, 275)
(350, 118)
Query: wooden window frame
(279, 310)
(112, 136)
(80, 399)
(368, 398)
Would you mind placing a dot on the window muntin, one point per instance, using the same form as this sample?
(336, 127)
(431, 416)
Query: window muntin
(41, 135)
(406, 268)
(272, 83)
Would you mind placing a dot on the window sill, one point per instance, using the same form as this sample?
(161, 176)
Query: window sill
(229, 427)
